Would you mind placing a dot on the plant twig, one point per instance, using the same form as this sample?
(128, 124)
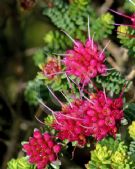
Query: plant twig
(119, 54)
(104, 8)
(13, 142)
(131, 75)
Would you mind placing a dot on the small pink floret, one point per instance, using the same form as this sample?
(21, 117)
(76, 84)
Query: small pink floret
(41, 149)
(57, 148)
(85, 61)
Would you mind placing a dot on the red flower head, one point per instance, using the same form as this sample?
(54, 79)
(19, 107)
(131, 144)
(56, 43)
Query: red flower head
(85, 61)
(51, 68)
(95, 117)
(41, 149)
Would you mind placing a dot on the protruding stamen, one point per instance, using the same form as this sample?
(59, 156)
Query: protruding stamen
(55, 73)
(39, 120)
(44, 105)
(93, 40)
(73, 152)
(67, 99)
(130, 25)
(88, 99)
(105, 94)
(53, 113)
(94, 85)
(121, 14)
(73, 81)
(111, 69)
(54, 95)
(62, 54)
(123, 89)
(70, 38)
(85, 127)
(88, 27)
(70, 85)
(70, 117)
(132, 2)
(105, 48)
(77, 86)
(82, 88)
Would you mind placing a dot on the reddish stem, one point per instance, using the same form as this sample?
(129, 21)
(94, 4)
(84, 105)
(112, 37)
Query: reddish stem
(121, 14)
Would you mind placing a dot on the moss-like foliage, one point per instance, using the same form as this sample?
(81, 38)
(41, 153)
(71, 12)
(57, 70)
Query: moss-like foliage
(130, 112)
(39, 57)
(113, 82)
(57, 41)
(20, 163)
(127, 38)
(132, 130)
(70, 17)
(131, 151)
(35, 90)
(110, 153)
(105, 24)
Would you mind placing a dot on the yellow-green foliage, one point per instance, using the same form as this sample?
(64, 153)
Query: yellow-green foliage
(57, 41)
(120, 159)
(126, 35)
(105, 24)
(131, 129)
(108, 154)
(113, 82)
(20, 163)
(101, 155)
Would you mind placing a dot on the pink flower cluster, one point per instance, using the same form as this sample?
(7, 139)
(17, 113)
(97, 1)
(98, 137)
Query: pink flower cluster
(51, 68)
(95, 117)
(41, 149)
(85, 61)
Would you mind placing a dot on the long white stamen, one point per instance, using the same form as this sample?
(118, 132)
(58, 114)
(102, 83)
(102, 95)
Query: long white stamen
(67, 99)
(121, 14)
(111, 69)
(39, 120)
(70, 85)
(71, 117)
(83, 86)
(88, 99)
(93, 40)
(132, 2)
(104, 94)
(62, 54)
(77, 86)
(54, 95)
(105, 48)
(55, 73)
(44, 105)
(73, 81)
(88, 27)
(85, 127)
(70, 38)
(53, 113)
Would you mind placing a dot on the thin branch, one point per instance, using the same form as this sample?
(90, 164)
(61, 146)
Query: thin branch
(131, 75)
